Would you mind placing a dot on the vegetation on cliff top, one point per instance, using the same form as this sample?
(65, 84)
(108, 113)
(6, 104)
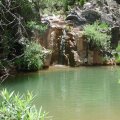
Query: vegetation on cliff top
(97, 35)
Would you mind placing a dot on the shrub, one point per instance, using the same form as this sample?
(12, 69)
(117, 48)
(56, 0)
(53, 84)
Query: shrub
(32, 60)
(96, 35)
(82, 2)
(17, 107)
(41, 28)
(118, 48)
(14, 15)
(117, 54)
(117, 59)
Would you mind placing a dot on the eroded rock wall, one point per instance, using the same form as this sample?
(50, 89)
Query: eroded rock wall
(65, 37)
(68, 45)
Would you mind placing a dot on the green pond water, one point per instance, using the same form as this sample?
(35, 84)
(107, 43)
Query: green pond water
(85, 93)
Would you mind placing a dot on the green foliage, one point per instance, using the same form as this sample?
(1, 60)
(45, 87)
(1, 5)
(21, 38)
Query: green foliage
(53, 6)
(37, 26)
(16, 107)
(7, 43)
(14, 16)
(117, 54)
(118, 48)
(32, 60)
(68, 3)
(96, 35)
(117, 59)
(82, 2)
(25, 9)
(103, 26)
(65, 5)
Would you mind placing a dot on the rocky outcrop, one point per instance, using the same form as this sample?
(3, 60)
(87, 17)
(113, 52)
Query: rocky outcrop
(65, 37)
(61, 41)
(67, 44)
(103, 10)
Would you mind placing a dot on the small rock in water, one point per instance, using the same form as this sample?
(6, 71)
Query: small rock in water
(61, 66)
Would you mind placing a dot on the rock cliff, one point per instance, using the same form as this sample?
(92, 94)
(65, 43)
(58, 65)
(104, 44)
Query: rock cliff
(65, 36)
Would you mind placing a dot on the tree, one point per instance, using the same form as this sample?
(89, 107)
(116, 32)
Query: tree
(14, 32)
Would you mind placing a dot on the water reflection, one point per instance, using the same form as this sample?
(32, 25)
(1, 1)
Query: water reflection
(74, 94)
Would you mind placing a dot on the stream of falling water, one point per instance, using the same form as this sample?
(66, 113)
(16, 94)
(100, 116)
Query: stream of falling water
(62, 47)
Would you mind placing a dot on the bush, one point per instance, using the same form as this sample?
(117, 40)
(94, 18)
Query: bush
(117, 59)
(118, 48)
(17, 107)
(14, 15)
(32, 60)
(117, 54)
(82, 2)
(41, 28)
(96, 35)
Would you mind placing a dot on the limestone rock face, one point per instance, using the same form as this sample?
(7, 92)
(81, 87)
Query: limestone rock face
(104, 10)
(67, 44)
(118, 1)
(65, 37)
(71, 49)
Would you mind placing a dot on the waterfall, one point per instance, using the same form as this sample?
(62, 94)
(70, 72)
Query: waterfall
(62, 47)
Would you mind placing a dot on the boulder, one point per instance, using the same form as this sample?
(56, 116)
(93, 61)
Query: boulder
(118, 1)
(78, 20)
(91, 16)
(87, 5)
(104, 10)
(85, 16)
